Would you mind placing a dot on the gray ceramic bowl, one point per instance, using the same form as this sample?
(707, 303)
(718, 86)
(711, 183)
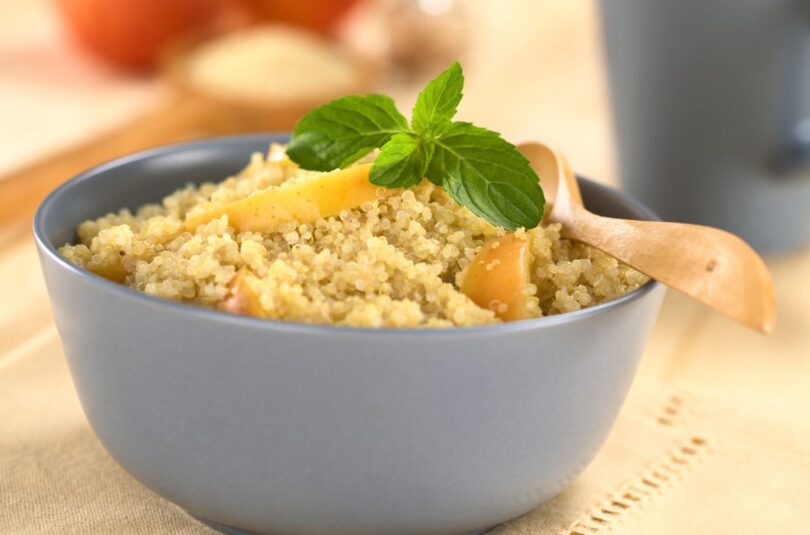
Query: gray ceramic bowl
(268, 427)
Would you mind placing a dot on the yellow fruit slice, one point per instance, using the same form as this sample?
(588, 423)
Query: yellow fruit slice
(113, 271)
(497, 277)
(303, 202)
(241, 297)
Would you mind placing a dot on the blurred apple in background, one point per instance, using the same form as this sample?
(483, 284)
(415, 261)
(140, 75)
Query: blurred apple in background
(318, 15)
(133, 33)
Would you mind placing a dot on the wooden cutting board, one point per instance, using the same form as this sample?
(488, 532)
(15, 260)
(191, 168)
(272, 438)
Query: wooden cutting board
(182, 117)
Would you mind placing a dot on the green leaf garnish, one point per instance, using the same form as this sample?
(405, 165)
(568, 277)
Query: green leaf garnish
(343, 131)
(488, 175)
(437, 103)
(402, 162)
(476, 166)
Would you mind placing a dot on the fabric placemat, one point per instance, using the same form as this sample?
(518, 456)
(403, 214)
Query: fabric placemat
(677, 461)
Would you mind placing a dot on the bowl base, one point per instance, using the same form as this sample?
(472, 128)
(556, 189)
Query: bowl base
(228, 530)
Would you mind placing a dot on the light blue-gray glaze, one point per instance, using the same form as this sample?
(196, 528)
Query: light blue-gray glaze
(292, 429)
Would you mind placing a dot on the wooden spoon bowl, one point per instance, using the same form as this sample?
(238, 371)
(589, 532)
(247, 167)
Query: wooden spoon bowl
(708, 264)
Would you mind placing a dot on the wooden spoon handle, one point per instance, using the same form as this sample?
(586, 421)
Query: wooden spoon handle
(709, 264)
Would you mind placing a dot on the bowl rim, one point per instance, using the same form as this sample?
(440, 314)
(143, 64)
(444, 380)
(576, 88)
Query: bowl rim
(125, 292)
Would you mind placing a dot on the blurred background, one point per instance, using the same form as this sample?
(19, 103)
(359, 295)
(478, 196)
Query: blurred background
(120, 74)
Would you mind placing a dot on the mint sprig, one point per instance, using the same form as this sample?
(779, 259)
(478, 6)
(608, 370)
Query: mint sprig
(437, 103)
(402, 161)
(344, 130)
(477, 167)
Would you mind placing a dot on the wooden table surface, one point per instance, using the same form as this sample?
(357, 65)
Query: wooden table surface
(544, 55)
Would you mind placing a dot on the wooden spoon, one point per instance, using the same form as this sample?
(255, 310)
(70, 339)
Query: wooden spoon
(708, 264)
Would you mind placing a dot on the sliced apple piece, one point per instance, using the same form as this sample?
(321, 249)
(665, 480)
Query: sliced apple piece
(497, 277)
(241, 298)
(113, 271)
(303, 201)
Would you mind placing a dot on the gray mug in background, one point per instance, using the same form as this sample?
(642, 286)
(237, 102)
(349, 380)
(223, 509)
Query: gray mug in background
(711, 105)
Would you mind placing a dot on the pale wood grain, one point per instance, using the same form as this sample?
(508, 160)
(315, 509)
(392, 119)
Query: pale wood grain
(182, 117)
(52, 96)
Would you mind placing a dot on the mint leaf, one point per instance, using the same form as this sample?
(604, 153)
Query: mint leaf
(402, 161)
(437, 103)
(478, 168)
(488, 175)
(344, 130)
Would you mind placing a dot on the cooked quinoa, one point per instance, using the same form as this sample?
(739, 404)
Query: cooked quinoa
(398, 261)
